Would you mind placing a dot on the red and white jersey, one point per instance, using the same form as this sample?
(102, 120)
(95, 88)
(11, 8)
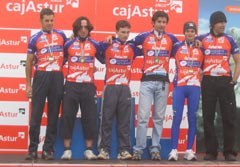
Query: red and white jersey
(81, 59)
(119, 57)
(156, 52)
(48, 48)
(217, 52)
(188, 64)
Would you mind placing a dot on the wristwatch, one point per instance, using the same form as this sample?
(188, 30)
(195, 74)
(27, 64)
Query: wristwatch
(233, 82)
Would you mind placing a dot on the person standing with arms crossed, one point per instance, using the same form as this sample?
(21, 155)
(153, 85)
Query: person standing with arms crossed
(47, 82)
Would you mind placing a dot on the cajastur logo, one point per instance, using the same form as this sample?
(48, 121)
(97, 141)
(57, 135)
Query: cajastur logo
(8, 138)
(20, 112)
(6, 42)
(137, 11)
(4, 90)
(26, 6)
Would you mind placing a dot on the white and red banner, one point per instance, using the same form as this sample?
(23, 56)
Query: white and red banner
(20, 19)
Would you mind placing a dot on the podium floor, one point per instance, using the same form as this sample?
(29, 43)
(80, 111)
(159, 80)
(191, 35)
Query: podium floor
(18, 160)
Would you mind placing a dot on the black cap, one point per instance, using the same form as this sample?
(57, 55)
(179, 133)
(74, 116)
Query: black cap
(189, 25)
(217, 17)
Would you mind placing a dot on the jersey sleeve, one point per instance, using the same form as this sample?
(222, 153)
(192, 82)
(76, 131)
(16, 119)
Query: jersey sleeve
(137, 51)
(32, 45)
(234, 46)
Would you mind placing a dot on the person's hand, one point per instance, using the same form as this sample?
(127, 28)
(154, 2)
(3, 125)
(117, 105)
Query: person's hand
(109, 40)
(29, 92)
(198, 43)
(34, 61)
(71, 37)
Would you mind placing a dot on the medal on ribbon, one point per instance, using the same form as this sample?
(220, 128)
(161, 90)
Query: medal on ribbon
(82, 59)
(156, 60)
(51, 59)
(190, 71)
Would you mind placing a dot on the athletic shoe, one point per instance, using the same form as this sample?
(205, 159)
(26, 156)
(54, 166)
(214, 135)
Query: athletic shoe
(189, 155)
(89, 155)
(173, 156)
(31, 156)
(124, 155)
(136, 155)
(67, 155)
(103, 155)
(155, 156)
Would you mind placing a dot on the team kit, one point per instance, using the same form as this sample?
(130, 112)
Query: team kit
(202, 68)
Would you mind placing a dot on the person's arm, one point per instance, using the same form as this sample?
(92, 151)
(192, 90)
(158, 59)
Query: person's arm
(236, 58)
(28, 70)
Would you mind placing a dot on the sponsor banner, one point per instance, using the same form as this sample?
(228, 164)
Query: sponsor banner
(139, 13)
(135, 86)
(182, 140)
(167, 123)
(170, 93)
(13, 89)
(13, 41)
(13, 137)
(41, 137)
(100, 86)
(26, 12)
(14, 113)
(12, 67)
(101, 71)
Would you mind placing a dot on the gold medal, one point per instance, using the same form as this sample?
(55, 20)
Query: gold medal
(190, 71)
(51, 59)
(156, 60)
(82, 59)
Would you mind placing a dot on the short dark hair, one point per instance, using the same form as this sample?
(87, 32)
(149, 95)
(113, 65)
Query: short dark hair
(122, 23)
(158, 14)
(78, 24)
(46, 11)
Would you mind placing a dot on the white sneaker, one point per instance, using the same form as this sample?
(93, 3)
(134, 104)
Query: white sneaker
(89, 155)
(103, 155)
(189, 155)
(67, 155)
(124, 155)
(173, 155)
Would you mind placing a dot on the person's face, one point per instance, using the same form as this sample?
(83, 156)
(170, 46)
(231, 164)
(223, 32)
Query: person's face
(160, 24)
(83, 31)
(219, 28)
(47, 22)
(123, 33)
(190, 34)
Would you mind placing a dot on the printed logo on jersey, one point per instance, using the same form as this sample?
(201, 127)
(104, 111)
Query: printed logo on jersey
(120, 61)
(184, 63)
